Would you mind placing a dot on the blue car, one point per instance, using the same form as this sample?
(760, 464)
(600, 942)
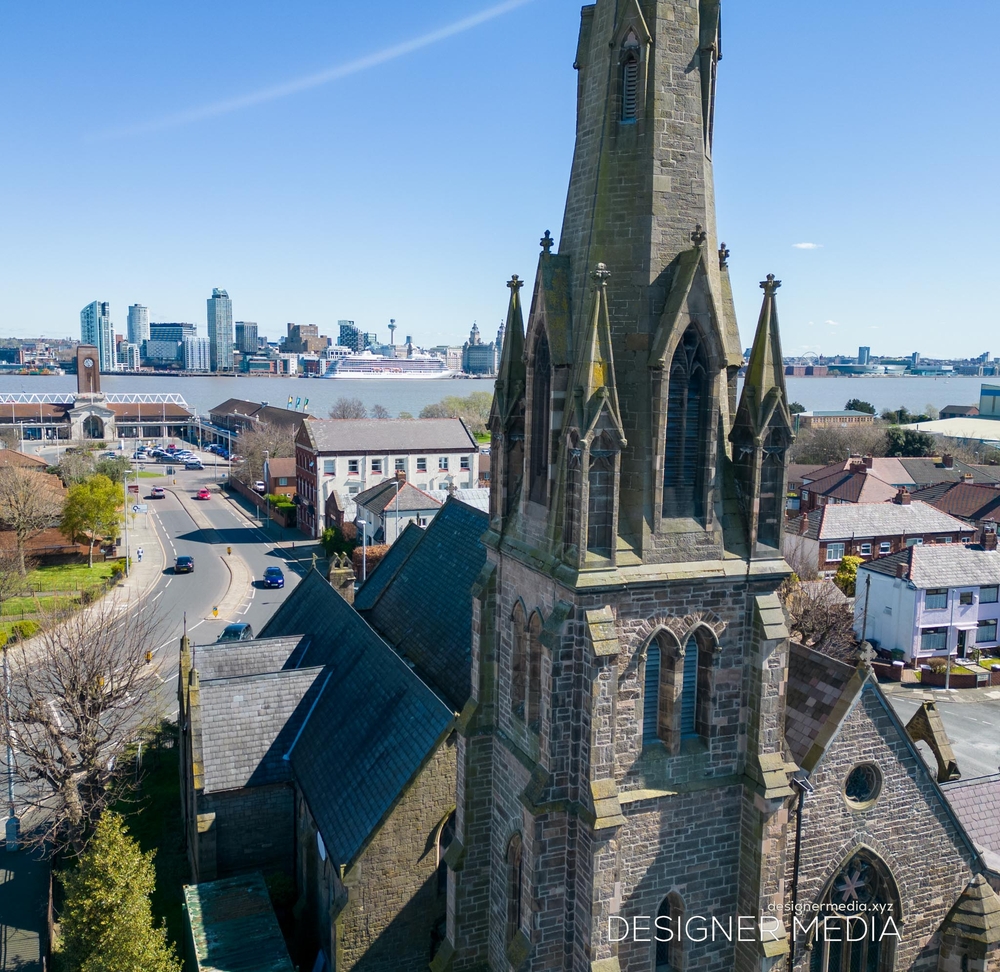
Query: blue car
(273, 577)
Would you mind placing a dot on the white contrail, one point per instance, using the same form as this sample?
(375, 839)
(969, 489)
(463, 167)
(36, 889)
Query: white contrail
(322, 77)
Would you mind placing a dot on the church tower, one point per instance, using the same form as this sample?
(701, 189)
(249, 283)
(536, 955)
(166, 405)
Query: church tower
(621, 758)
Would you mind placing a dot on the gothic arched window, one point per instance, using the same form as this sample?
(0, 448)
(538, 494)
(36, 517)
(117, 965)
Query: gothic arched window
(772, 469)
(651, 695)
(446, 834)
(515, 890)
(686, 447)
(518, 661)
(863, 886)
(601, 501)
(630, 78)
(541, 388)
(669, 948)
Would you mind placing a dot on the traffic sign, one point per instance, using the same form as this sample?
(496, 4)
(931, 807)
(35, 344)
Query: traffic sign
(140, 508)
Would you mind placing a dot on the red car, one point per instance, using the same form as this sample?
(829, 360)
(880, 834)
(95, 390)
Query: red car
(204, 494)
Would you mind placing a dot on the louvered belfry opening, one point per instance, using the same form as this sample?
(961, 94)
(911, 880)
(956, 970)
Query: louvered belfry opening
(630, 78)
(541, 385)
(601, 499)
(684, 457)
(651, 696)
(772, 469)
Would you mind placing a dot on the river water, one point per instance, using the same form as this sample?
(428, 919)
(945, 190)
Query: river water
(202, 394)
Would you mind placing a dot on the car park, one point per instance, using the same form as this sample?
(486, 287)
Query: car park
(184, 565)
(238, 631)
(157, 492)
(203, 493)
(273, 577)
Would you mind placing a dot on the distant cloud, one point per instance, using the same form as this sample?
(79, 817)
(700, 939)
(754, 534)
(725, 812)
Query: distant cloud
(832, 323)
(320, 78)
(808, 246)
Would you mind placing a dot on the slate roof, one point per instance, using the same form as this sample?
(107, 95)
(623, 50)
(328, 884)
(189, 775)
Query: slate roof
(817, 691)
(258, 411)
(976, 802)
(942, 565)
(387, 567)
(969, 501)
(373, 727)
(425, 611)
(478, 497)
(365, 436)
(929, 470)
(249, 723)
(861, 520)
(888, 470)
(231, 659)
(853, 487)
(233, 927)
(407, 498)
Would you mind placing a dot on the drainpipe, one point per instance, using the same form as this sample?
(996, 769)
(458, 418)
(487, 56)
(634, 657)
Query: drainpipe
(803, 786)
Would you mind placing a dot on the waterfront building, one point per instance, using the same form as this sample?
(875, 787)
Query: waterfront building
(96, 330)
(349, 336)
(477, 358)
(304, 339)
(128, 356)
(246, 337)
(197, 353)
(138, 324)
(220, 330)
(864, 355)
(841, 418)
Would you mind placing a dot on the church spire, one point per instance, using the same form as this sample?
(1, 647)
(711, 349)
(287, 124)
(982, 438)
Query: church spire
(762, 432)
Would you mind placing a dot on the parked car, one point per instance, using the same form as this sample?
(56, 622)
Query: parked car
(273, 577)
(157, 492)
(193, 464)
(184, 565)
(171, 448)
(203, 493)
(238, 631)
(260, 486)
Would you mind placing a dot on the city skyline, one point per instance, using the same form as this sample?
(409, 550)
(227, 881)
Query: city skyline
(817, 180)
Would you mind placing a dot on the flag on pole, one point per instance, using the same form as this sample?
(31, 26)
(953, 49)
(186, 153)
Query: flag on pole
(290, 397)
(297, 400)
(305, 405)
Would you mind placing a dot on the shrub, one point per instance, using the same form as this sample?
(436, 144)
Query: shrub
(368, 559)
(22, 630)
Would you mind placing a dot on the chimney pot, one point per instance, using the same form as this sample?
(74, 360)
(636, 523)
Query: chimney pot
(989, 535)
(902, 497)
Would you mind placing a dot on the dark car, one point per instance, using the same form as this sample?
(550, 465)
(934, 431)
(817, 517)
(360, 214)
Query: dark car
(239, 631)
(273, 577)
(184, 565)
(193, 464)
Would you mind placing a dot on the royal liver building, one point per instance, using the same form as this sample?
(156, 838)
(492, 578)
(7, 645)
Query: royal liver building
(650, 777)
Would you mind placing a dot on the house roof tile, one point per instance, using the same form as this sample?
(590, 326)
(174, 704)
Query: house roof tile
(942, 565)
(862, 520)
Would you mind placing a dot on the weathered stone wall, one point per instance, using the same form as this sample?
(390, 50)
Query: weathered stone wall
(392, 900)
(909, 827)
(254, 829)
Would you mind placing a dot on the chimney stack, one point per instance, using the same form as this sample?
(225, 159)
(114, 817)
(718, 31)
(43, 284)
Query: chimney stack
(902, 497)
(869, 462)
(948, 461)
(342, 577)
(989, 535)
(901, 569)
(400, 475)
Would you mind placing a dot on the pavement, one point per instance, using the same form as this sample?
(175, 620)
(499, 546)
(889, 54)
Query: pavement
(24, 892)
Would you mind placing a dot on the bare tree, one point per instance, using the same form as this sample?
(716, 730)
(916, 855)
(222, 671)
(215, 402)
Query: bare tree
(348, 408)
(260, 440)
(832, 444)
(80, 692)
(75, 466)
(380, 412)
(9, 437)
(29, 504)
(821, 617)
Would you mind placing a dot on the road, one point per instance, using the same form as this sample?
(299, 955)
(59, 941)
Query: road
(970, 718)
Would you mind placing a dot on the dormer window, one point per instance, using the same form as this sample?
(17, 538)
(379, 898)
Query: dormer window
(630, 77)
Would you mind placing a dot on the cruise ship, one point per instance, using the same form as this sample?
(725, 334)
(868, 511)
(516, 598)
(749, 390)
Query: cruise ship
(368, 365)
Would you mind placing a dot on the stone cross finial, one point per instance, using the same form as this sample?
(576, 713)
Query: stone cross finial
(600, 274)
(699, 236)
(770, 285)
(515, 283)
(723, 256)
(547, 242)
(865, 655)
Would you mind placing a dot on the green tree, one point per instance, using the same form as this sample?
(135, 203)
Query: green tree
(92, 511)
(796, 408)
(474, 410)
(115, 469)
(107, 922)
(847, 574)
(908, 442)
(857, 405)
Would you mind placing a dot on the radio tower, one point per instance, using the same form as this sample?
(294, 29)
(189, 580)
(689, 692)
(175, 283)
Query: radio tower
(392, 331)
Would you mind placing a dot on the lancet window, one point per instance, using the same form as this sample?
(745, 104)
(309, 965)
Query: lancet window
(541, 389)
(685, 452)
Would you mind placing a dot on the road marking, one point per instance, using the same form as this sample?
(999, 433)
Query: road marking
(158, 596)
(168, 583)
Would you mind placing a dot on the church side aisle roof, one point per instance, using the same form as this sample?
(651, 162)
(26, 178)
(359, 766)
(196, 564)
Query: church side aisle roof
(387, 568)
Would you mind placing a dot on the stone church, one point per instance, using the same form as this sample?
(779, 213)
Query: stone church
(650, 777)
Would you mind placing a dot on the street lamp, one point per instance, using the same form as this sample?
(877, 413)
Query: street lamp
(13, 824)
(267, 495)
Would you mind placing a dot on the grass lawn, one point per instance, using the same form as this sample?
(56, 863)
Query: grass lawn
(150, 475)
(54, 589)
(153, 816)
(69, 577)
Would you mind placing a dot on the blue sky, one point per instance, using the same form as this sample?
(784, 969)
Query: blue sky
(413, 184)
